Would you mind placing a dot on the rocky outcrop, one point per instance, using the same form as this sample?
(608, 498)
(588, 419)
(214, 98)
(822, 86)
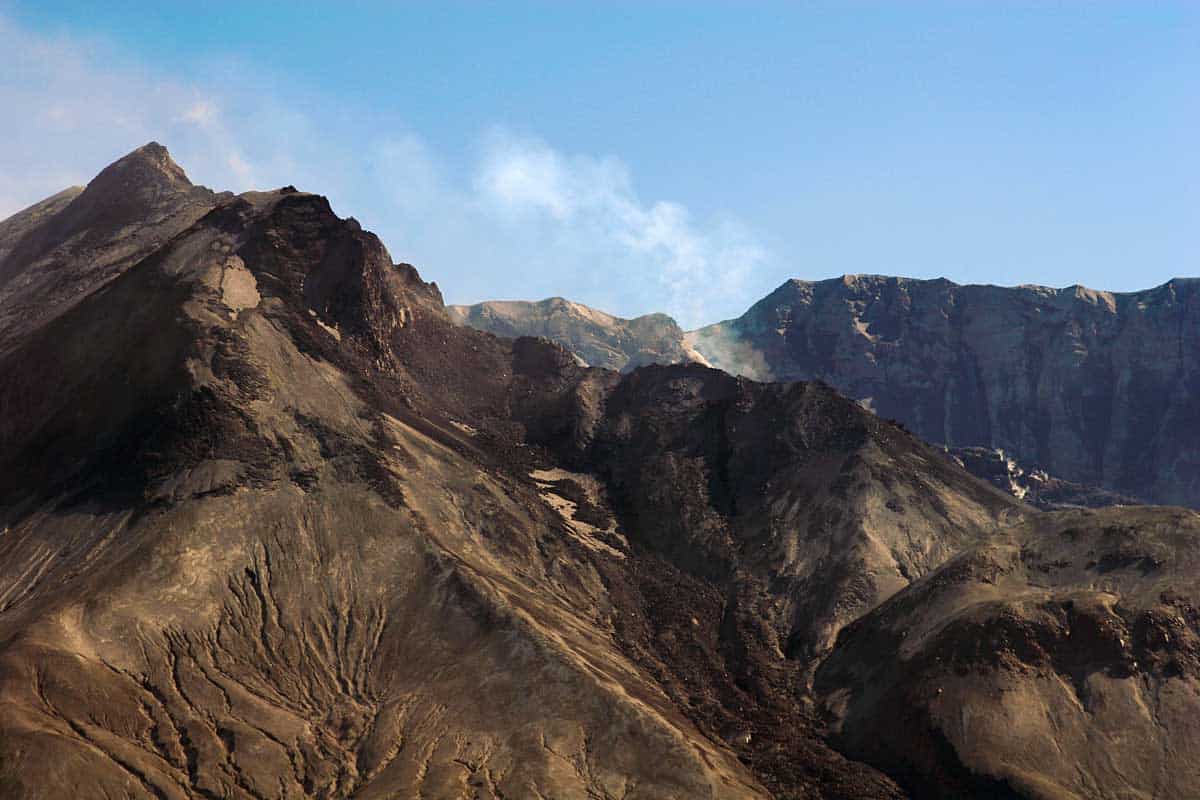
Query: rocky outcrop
(1097, 388)
(1060, 659)
(273, 526)
(259, 541)
(1032, 485)
(600, 339)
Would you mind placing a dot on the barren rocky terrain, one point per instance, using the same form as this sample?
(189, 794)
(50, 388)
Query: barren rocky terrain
(599, 339)
(272, 525)
(1034, 486)
(1096, 389)
(1059, 659)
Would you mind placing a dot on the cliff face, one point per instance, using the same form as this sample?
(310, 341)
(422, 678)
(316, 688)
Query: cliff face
(1098, 391)
(1094, 387)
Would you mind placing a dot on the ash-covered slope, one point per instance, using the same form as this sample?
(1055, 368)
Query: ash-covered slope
(272, 525)
(1098, 388)
(1059, 660)
(246, 551)
(600, 339)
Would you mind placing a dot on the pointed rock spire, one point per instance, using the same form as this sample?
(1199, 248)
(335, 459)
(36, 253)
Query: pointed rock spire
(147, 173)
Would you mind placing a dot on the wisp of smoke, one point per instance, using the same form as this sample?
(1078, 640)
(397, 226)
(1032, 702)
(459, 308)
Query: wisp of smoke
(720, 346)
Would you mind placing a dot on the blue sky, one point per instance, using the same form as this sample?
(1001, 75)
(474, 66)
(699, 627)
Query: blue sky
(685, 157)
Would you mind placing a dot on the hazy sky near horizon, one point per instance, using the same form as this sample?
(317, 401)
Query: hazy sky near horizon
(678, 157)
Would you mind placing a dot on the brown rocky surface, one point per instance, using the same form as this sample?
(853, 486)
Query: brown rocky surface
(59, 251)
(272, 525)
(763, 518)
(1061, 659)
(247, 553)
(1031, 485)
(1097, 388)
(600, 339)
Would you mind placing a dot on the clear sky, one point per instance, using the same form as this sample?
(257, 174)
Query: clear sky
(685, 157)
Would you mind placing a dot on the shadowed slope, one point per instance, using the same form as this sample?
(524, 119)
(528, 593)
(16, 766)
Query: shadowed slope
(58, 251)
(1099, 388)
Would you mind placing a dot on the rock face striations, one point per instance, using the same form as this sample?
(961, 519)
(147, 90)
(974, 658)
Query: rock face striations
(1097, 388)
(272, 525)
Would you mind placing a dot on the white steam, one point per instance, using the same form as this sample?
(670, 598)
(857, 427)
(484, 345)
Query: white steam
(721, 347)
(521, 220)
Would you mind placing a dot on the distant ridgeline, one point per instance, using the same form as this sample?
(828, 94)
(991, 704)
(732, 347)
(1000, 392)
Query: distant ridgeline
(1096, 388)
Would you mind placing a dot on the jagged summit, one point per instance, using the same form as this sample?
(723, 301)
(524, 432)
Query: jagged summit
(866, 281)
(131, 190)
(147, 168)
(56, 252)
(144, 183)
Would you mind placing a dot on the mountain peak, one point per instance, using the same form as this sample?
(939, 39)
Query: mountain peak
(140, 185)
(83, 238)
(149, 168)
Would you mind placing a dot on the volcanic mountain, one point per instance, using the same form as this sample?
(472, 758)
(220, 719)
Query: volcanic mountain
(272, 525)
(1098, 389)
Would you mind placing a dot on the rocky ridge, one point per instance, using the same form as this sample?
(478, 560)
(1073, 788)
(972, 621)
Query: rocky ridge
(62, 249)
(599, 339)
(1098, 389)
